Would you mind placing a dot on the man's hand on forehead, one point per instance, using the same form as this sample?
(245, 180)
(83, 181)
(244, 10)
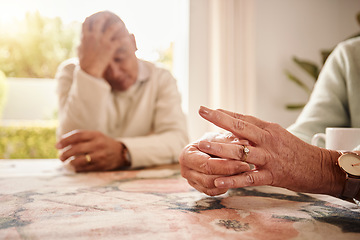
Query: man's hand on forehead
(105, 20)
(102, 35)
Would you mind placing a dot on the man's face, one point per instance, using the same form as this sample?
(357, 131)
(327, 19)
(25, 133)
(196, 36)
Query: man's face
(122, 71)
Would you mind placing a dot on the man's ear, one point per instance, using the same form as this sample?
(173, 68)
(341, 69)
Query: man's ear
(132, 37)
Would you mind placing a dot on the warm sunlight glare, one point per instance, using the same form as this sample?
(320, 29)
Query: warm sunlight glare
(153, 22)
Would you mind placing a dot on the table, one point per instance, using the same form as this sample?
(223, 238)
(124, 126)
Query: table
(40, 199)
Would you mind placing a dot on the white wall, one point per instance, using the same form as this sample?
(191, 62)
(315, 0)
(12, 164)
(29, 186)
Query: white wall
(276, 30)
(30, 99)
(286, 28)
(279, 30)
(198, 86)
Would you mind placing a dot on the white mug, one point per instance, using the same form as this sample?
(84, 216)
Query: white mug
(342, 139)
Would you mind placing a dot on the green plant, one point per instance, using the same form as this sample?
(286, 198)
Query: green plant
(166, 56)
(312, 70)
(35, 46)
(27, 142)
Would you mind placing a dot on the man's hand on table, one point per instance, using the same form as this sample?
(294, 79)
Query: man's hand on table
(91, 151)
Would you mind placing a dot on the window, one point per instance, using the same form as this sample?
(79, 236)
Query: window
(29, 116)
(158, 26)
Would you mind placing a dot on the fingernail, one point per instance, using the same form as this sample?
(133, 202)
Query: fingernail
(58, 145)
(219, 183)
(249, 179)
(204, 145)
(204, 111)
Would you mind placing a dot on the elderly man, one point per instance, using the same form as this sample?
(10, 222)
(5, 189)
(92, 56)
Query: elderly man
(116, 110)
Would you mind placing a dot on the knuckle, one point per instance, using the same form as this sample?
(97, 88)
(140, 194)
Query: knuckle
(230, 169)
(98, 134)
(207, 183)
(240, 152)
(99, 143)
(275, 125)
(238, 125)
(212, 192)
(238, 116)
(250, 179)
(206, 168)
(102, 155)
(267, 158)
(218, 148)
(239, 167)
(232, 183)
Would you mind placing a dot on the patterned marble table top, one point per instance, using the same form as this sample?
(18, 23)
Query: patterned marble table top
(40, 199)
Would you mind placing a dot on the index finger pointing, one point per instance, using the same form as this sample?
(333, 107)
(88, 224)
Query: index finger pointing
(257, 122)
(238, 127)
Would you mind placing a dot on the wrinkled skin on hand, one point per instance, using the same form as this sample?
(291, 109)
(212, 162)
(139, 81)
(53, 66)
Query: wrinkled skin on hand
(280, 159)
(105, 152)
(201, 169)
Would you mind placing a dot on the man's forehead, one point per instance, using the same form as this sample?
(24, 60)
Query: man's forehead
(111, 20)
(125, 44)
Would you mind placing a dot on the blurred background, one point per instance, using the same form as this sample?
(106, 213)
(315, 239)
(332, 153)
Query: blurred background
(249, 56)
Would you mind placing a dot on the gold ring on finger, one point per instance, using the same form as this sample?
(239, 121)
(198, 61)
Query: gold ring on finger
(246, 152)
(88, 158)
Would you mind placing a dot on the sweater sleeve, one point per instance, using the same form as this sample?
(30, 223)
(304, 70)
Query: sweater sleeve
(81, 98)
(328, 105)
(169, 135)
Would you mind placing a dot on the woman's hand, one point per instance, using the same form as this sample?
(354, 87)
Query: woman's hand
(280, 158)
(201, 169)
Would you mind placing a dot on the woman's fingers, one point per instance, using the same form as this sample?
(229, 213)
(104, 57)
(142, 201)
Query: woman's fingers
(251, 178)
(202, 162)
(206, 181)
(238, 127)
(244, 153)
(208, 191)
(224, 150)
(251, 119)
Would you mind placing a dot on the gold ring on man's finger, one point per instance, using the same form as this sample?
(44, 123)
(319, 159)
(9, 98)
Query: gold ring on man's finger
(88, 158)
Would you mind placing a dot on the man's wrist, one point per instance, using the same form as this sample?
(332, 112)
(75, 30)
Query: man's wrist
(93, 70)
(125, 156)
(94, 73)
